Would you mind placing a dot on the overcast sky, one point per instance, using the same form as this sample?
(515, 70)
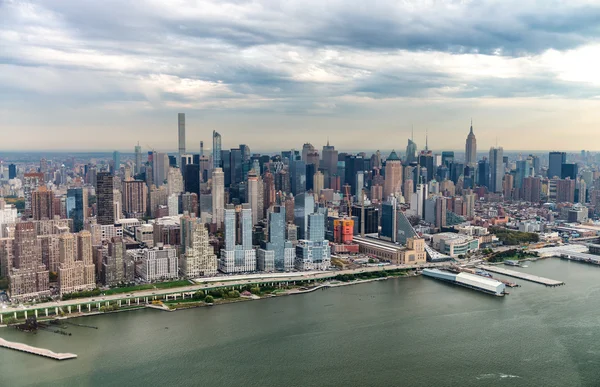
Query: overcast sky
(77, 74)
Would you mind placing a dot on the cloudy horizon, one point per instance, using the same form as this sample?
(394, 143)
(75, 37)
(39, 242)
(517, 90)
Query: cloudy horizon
(104, 75)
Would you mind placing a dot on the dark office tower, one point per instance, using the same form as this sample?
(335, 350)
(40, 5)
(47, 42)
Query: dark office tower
(483, 173)
(426, 161)
(77, 205)
(192, 179)
(569, 170)
(216, 150)
(469, 177)
(226, 163)
(12, 171)
(447, 158)
(389, 215)
(105, 198)
(245, 150)
(282, 181)
(442, 173)
(555, 162)
(181, 132)
(235, 158)
(304, 205)
(371, 219)
(298, 177)
(310, 174)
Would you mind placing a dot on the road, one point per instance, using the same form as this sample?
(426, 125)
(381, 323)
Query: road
(214, 282)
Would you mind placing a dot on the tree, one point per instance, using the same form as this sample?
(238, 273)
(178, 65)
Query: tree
(10, 320)
(199, 295)
(209, 299)
(255, 290)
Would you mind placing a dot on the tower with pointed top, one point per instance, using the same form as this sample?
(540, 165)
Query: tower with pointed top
(471, 148)
(411, 149)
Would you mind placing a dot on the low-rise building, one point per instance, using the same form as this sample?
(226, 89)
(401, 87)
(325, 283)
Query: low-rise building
(455, 245)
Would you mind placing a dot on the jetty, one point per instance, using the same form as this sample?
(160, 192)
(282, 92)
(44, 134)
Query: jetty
(520, 275)
(36, 351)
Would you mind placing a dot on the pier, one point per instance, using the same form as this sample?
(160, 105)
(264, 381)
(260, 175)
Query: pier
(523, 276)
(36, 351)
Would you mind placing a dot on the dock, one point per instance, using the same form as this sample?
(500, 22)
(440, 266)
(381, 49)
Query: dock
(36, 351)
(523, 276)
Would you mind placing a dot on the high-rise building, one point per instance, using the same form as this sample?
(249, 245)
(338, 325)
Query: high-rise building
(532, 188)
(318, 182)
(411, 151)
(160, 168)
(562, 190)
(496, 169)
(483, 173)
(507, 186)
(12, 171)
(277, 253)
(330, 160)
(218, 197)
(31, 182)
(105, 198)
(555, 162)
(298, 177)
(238, 258)
(116, 162)
(389, 212)
(28, 276)
(138, 159)
(77, 207)
(216, 150)
(181, 132)
(313, 252)
(393, 176)
(254, 196)
(197, 255)
(426, 162)
(569, 171)
(174, 181)
(42, 204)
(191, 182)
(76, 268)
(189, 203)
(113, 270)
(471, 148)
(135, 194)
(269, 195)
(304, 205)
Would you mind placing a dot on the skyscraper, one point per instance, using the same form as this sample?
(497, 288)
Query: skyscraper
(42, 204)
(135, 194)
(393, 176)
(496, 169)
(298, 176)
(218, 196)
(254, 196)
(238, 258)
(216, 151)
(12, 171)
(181, 130)
(105, 198)
(313, 252)
(304, 205)
(197, 256)
(471, 148)
(555, 162)
(277, 253)
(28, 276)
(116, 162)
(330, 160)
(138, 159)
(483, 173)
(411, 151)
(77, 205)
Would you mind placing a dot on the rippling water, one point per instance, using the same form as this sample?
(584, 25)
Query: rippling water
(400, 332)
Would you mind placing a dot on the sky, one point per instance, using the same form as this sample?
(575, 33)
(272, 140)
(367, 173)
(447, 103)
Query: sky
(102, 75)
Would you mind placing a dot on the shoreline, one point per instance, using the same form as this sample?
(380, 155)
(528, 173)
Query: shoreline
(200, 304)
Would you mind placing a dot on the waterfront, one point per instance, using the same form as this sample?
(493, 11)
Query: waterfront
(407, 331)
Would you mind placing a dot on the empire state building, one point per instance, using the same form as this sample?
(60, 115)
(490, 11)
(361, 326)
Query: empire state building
(471, 148)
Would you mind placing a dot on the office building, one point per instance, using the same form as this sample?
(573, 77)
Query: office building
(393, 176)
(304, 205)
(298, 177)
(138, 159)
(569, 171)
(12, 171)
(389, 213)
(555, 162)
(116, 163)
(471, 148)
(330, 160)
(496, 169)
(77, 207)
(105, 198)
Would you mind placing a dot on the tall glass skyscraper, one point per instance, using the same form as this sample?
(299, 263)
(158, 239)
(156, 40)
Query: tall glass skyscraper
(298, 176)
(76, 207)
(304, 205)
(116, 162)
(216, 150)
(555, 162)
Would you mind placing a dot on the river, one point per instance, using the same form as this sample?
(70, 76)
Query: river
(399, 332)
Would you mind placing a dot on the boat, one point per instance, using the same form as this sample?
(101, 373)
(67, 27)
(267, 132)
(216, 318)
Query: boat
(510, 262)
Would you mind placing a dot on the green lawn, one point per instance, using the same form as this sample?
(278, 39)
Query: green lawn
(159, 285)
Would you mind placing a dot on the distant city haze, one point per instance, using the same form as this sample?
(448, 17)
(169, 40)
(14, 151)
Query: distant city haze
(79, 76)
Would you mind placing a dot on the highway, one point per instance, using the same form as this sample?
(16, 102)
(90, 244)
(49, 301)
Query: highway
(214, 282)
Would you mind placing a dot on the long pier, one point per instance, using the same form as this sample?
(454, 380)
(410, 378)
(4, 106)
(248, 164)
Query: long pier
(523, 276)
(36, 351)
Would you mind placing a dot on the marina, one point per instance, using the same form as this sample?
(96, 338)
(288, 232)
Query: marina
(36, 351)
(523, 276)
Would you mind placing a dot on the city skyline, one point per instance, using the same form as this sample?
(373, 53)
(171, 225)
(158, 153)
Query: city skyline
(296, 70)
